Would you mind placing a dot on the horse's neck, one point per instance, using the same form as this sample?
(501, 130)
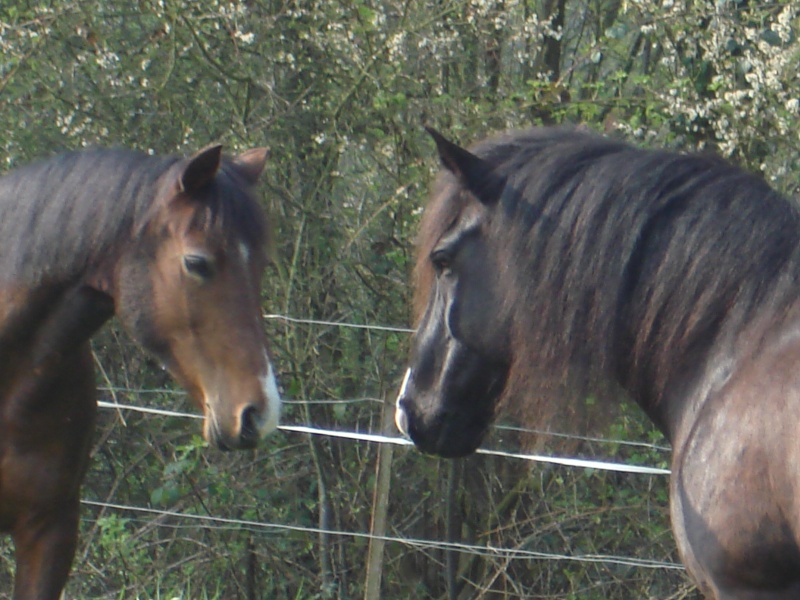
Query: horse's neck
(43, 322)
(673, 401)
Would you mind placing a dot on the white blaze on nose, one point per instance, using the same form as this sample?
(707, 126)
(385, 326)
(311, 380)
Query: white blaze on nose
(245, 252)
(273, 415)
(400, 416)
(403, 385)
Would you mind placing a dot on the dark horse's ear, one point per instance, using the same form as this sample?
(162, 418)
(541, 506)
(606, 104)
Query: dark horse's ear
(475, 174)
(251, 163)
(201, 169)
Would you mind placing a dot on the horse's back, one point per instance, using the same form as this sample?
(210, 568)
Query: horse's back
(736, 477)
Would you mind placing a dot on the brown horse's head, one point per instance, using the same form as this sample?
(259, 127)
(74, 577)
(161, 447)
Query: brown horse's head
(187, 288)
(460, 356)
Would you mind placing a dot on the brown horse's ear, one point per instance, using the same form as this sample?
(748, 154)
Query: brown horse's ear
(201, 169)
(475, 174)
(251, 163)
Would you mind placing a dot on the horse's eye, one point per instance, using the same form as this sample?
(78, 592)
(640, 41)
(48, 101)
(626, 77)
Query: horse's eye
(441, 261)
(198, 266)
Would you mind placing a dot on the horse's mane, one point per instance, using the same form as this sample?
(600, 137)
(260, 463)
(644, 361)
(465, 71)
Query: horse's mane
(59, 215)
(630, 262)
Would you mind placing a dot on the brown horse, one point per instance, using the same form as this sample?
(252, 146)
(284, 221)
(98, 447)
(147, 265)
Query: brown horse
(176, 249)
(556, 260)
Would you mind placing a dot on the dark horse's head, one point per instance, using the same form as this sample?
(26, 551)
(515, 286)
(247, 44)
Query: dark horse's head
(460, 358)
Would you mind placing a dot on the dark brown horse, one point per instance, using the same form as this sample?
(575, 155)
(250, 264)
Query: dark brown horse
(176, 249)
(558, 260)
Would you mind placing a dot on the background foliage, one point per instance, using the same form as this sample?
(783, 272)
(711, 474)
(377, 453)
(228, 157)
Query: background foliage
(339, 90)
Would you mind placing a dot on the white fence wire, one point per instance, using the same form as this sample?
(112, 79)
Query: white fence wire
(487, 550)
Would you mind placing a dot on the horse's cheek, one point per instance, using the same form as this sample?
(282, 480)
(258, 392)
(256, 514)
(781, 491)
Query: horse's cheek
(134, 308)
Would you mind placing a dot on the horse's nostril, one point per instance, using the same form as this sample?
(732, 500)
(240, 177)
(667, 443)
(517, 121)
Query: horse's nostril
(249, 432)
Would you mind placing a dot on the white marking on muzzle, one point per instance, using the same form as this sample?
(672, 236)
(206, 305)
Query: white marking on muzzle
(273, 416)
(400, 416)
(245, 252)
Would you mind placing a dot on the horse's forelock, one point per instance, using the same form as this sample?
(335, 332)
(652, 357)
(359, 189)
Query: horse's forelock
(240, 214)
(447, 201)
(227, 207)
